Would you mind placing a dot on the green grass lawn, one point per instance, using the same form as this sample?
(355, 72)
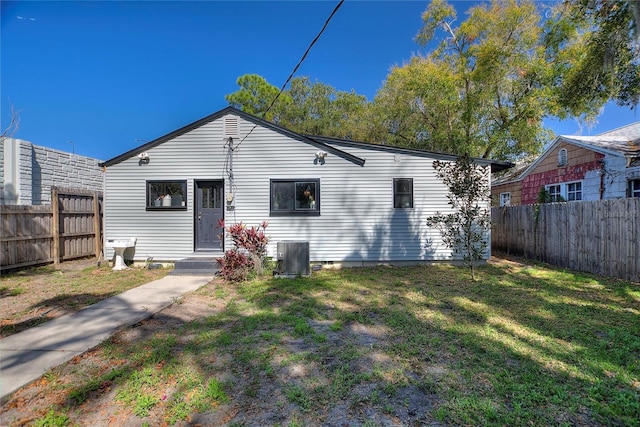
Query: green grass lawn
(523, 345)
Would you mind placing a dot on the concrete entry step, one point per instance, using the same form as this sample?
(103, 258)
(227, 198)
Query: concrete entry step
(206, 266)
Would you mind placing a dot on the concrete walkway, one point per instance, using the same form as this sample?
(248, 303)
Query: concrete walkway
(26, 356)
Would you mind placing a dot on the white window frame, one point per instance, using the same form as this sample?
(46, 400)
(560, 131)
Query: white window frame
(554, 195)
(571, 194)
(505, 199)
(564, 194)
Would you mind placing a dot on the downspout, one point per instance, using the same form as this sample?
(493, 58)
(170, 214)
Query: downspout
(601, 172)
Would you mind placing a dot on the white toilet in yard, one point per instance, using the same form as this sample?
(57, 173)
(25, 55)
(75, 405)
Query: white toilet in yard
(119, 246)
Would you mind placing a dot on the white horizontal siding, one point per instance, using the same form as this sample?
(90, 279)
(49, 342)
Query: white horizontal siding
(357, 221)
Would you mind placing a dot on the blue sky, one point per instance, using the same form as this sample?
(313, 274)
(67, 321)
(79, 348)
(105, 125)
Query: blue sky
(110, 75)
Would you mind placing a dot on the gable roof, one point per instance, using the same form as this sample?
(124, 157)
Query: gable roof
(623, 141)
(323, 143)
(249, 117)
(495, 164)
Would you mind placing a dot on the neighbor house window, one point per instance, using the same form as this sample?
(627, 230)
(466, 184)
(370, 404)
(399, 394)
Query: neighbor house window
(505, 199)
(295, 197)
(555, 193)
(562, 157)
(574, 191)
(634, 188)
(402, 193)
(167, 195)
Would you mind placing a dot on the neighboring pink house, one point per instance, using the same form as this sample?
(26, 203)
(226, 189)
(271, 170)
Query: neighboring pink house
(574, 168)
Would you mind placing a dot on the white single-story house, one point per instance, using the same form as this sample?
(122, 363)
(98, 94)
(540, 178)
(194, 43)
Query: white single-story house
(355, 203)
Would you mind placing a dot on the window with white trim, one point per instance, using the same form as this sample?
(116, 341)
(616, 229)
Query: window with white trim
(562, 157)
(574, 191)
(566, 191)
(555, 193)
(505, 199)
(634, 188)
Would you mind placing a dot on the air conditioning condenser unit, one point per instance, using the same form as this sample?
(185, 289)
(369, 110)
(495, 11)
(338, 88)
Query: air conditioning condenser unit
(293, 259)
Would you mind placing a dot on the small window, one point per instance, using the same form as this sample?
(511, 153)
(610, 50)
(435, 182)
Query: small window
(555, 193)
(634, 188)
(295, 197)
(163, 195)
(505, 199)
(403, 193)
(562, 157)
(574, 191)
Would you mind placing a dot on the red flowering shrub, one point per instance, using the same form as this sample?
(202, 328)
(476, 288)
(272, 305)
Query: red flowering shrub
(250, 247)
(234, 266)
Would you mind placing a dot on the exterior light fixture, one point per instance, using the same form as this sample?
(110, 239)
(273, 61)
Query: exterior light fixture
(320, 156)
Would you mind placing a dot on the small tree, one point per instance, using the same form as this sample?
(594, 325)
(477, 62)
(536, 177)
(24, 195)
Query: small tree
(464, 230)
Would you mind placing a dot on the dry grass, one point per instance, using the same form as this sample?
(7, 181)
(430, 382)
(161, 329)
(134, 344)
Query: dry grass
(36, 295)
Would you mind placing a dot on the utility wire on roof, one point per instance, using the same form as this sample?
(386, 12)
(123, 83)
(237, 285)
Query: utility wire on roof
(304, 56)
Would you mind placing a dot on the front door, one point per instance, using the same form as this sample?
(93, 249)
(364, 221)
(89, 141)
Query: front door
(208, 212)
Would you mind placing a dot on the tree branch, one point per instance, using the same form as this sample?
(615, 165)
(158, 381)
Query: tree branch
(14, 124)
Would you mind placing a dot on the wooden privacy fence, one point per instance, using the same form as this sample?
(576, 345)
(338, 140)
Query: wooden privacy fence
(599, 237)
(71, 227)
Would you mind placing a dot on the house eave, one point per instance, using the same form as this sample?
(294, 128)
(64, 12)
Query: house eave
(496, 165)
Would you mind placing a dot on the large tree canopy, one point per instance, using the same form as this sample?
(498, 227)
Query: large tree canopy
(305, 107)
(319, 109)
(256, 96)
(484, 87)
(596, 46)
(481, 91)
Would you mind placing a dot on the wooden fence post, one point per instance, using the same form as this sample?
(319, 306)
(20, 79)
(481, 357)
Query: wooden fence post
(55, 226)
(96, 224)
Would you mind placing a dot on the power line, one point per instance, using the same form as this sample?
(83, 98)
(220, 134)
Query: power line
(326, 23)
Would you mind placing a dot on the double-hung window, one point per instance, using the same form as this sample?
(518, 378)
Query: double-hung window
(167, 195)
(555, 193)
(567, 191)
(574, 191)
(295, 197)
(403, 193)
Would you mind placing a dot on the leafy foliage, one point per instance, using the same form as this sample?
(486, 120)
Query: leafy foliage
(248, 253)
(481, 92)
(253, 239)
(487, 85)
(234, 266)
(465, 230)
(597, 45)
(255, 97)
(306, 107)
